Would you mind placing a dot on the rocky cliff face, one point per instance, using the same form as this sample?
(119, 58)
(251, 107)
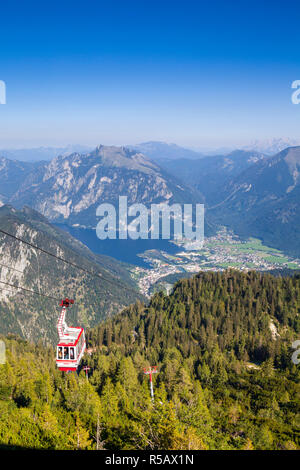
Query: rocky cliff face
(34, 316)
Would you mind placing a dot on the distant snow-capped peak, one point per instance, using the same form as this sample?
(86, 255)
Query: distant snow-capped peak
(272, 146)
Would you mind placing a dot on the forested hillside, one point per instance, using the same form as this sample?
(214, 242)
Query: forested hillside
(222, 344)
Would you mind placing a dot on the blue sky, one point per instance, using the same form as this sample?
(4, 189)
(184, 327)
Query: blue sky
(192, 72)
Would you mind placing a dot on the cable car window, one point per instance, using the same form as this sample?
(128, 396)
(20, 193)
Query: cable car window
(66, 353)
(59, 352)
(71, 353)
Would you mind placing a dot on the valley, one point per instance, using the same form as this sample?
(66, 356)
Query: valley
(157, 264)
(222, 251)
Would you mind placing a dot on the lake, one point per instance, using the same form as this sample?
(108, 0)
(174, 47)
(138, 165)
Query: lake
(123, 250)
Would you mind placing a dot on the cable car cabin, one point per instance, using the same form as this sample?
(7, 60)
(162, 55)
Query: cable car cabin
(70, 350)
(71, 346)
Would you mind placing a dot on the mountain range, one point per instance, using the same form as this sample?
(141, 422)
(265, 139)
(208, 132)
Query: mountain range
(250, 192)
(70, 187)
(264, 201)
(12, 175)
(155, 150)
(271, 146)
(159, 151)
(208, 175)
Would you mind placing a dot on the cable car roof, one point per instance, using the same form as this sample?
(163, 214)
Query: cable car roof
(72, 337)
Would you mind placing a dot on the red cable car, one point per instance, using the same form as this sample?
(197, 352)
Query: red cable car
(71, 346)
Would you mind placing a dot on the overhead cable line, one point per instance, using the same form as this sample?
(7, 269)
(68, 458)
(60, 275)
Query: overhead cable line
(100, 276)
(31, 291)
(49, 253)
